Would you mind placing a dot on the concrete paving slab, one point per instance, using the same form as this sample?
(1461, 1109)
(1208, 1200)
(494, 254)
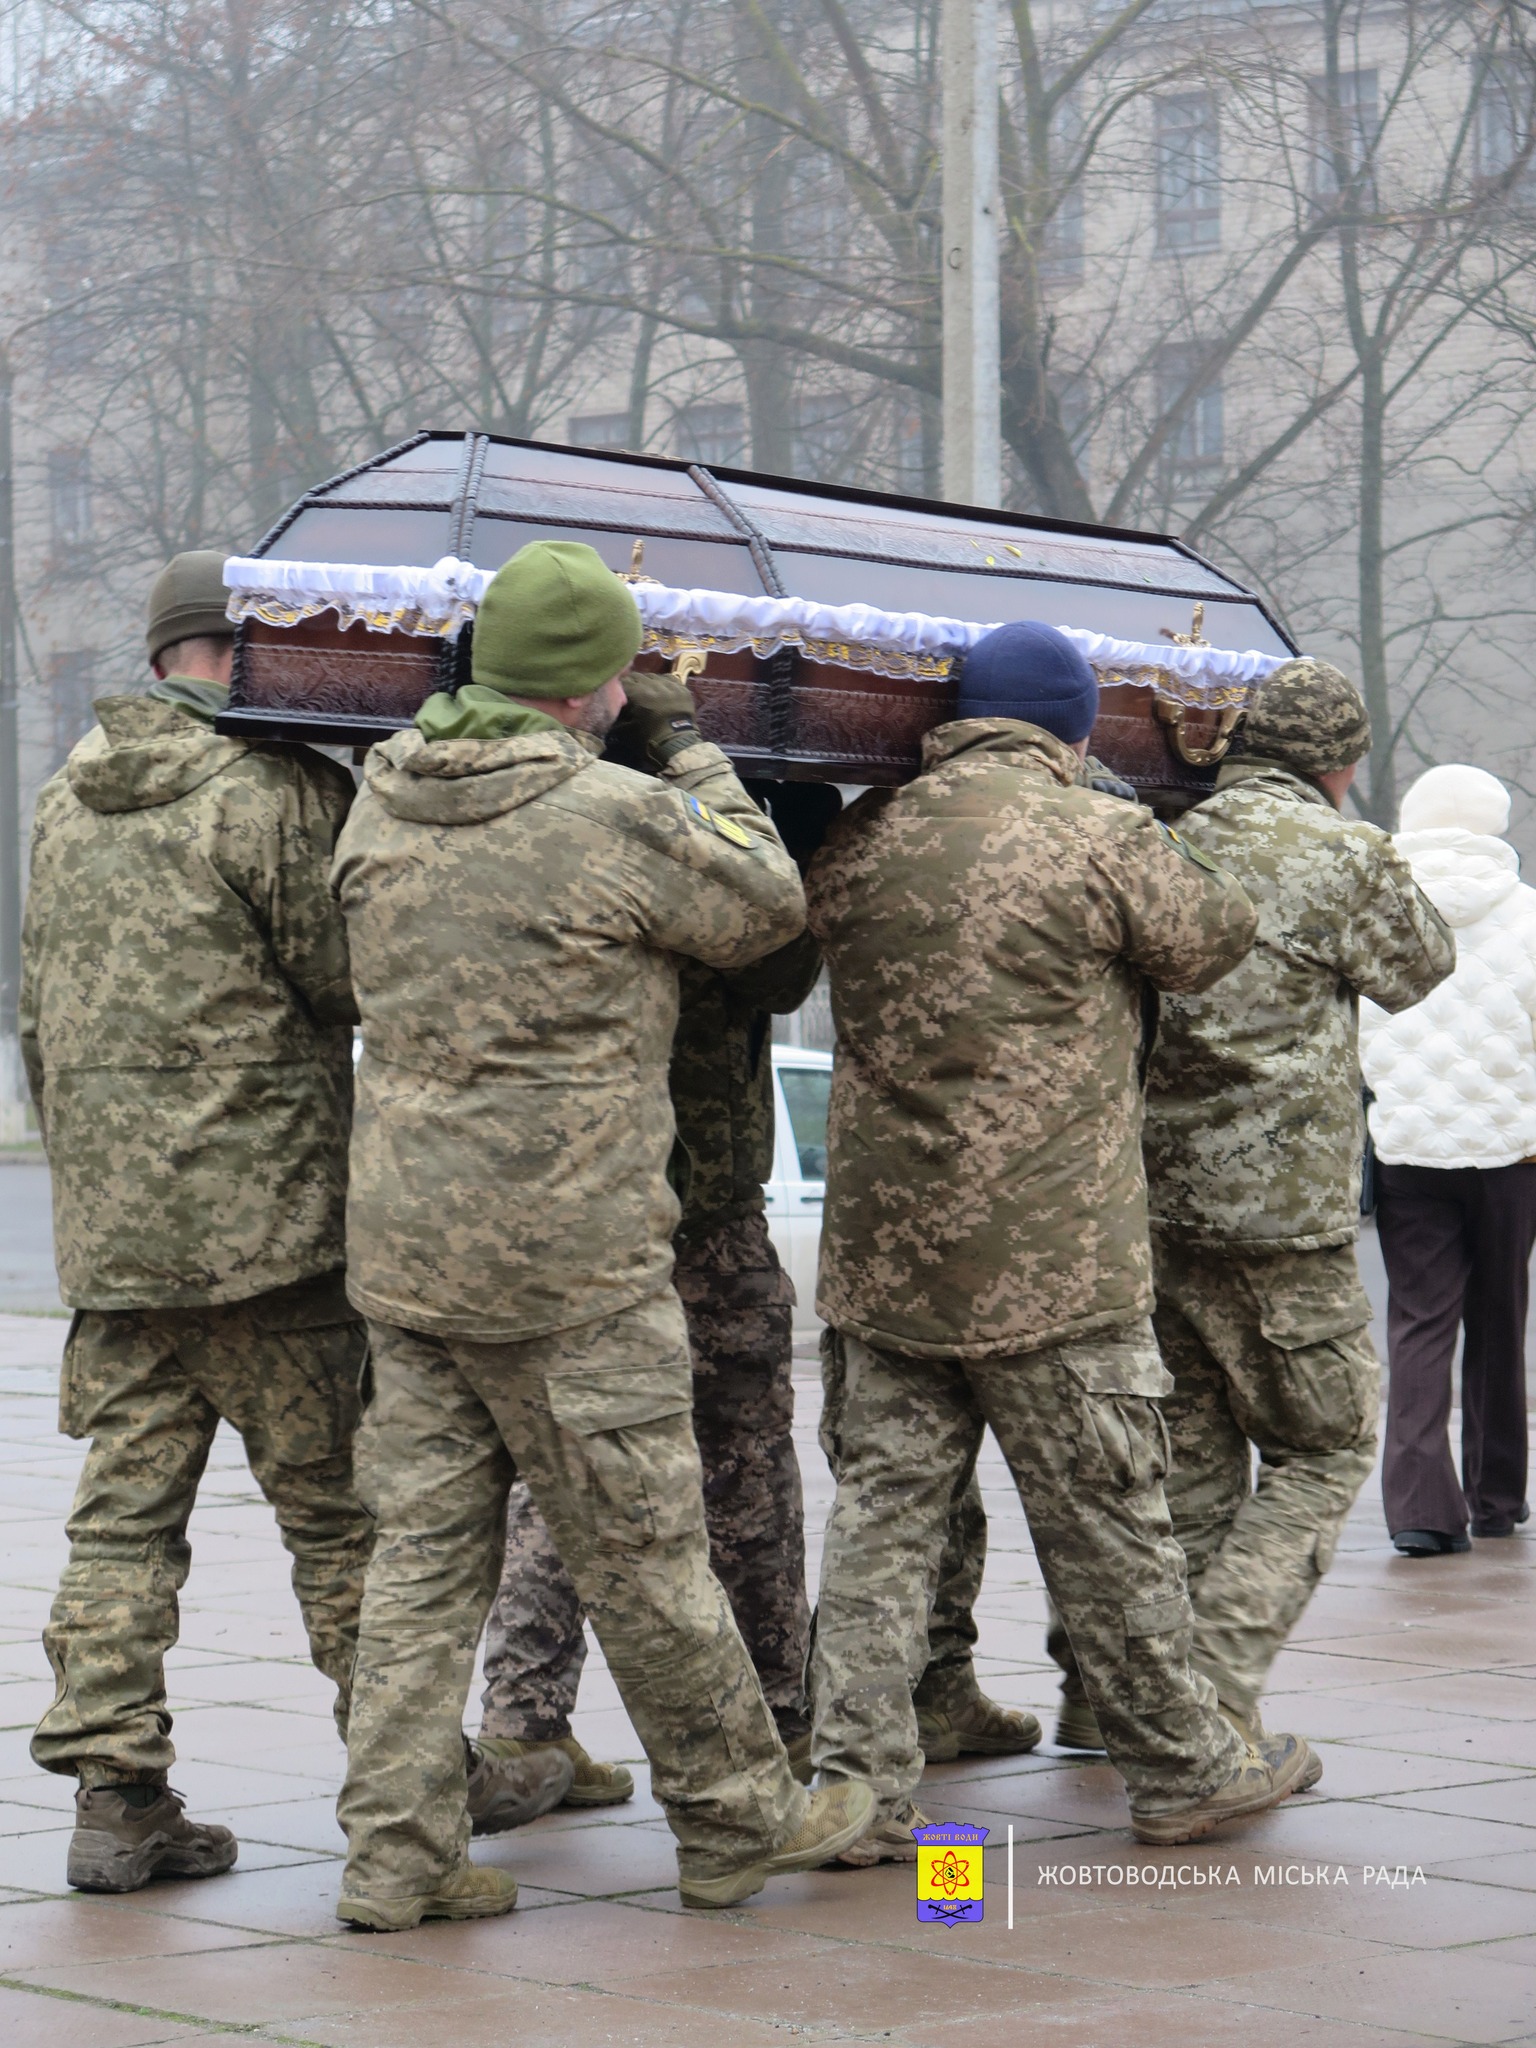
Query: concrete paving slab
(1418, 1681)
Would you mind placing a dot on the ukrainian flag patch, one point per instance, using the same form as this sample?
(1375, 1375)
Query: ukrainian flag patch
(727, 828)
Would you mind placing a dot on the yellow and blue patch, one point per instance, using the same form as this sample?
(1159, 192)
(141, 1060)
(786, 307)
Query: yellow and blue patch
(727, 828)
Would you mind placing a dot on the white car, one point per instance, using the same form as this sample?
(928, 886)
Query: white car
(802, 1081)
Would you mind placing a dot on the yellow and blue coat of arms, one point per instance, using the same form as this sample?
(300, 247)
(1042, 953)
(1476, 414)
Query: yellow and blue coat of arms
(949, 1871)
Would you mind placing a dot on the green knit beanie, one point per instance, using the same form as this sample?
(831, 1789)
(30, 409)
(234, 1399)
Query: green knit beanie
(555, 622)
(187, 601)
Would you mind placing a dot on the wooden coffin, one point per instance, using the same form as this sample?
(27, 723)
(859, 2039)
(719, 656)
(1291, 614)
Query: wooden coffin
(788, 714)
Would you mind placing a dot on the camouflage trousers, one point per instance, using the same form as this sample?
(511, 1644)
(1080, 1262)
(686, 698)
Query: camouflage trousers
(596, 1419)
(1268, 1350)
(948, 1683)
(737, 1301)
(1079, 1426)
(149, 1388)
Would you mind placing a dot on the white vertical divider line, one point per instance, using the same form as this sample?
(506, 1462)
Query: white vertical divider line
(1010, 1875)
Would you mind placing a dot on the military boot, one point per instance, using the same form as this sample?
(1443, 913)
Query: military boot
(472, 1893)
(1261, 1778)
(1077, 1727)
(835, 1817)
(508, 1792)
(592, 1783)
(979, 1728)
(1251, 1728)
(888, 1841)
(127, 1834)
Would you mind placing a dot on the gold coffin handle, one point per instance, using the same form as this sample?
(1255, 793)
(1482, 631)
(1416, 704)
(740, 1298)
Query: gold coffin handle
(1172, 715)
(689, 663)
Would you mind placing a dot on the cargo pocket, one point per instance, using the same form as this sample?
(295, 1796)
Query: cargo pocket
(1158, 1638)
(1314, 1311)
(638, 1463)
(1122, 1440)
(323, 1341)
(72, 1420)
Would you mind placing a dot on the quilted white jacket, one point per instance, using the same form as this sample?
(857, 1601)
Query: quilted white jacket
(1455, 1076)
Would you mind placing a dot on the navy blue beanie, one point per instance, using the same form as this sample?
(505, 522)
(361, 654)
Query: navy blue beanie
(1032, 672)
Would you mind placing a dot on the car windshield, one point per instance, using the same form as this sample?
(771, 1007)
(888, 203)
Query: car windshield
(805, 1096)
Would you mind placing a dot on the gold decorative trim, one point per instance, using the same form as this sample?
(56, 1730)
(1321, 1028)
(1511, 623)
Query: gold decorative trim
(383, 616)
(398, 617)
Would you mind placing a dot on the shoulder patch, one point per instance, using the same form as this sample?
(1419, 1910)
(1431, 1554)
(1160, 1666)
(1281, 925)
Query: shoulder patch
(727, 828)
(1191, 853)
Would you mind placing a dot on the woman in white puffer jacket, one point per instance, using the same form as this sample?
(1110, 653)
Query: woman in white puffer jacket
(1454, 1126)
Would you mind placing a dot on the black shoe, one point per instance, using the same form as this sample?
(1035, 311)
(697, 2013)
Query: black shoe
(1428, 1543)
(1501, 1525)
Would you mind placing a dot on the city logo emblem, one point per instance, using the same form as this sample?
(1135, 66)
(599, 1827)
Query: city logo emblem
(949, 1871)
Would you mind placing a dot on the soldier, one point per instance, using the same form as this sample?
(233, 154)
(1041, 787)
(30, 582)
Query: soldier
(1253, 1144)
(737, 1301)
(514, 907)
(954, 1717)
(186, 1022)
(988, 930)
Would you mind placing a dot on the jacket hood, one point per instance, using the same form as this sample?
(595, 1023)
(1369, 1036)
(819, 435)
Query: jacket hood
(1253, 768)
(1470, 799)
(467, 782)
(1028, 745)
(145, 753)
(1464, 874)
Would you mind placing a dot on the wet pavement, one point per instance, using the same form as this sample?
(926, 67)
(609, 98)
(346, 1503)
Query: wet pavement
(27, 1278)
(1394, 1906)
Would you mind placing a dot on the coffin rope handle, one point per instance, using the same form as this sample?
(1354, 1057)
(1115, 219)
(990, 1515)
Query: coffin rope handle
(1172, 715)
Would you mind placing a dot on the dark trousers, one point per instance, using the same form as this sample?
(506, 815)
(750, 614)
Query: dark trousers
(1457, 1246)
(737, 1301)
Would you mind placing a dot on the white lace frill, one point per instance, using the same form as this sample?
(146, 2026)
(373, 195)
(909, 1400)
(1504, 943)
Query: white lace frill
(436, 602)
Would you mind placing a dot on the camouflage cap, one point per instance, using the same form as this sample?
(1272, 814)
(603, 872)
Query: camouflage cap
(1308, 716)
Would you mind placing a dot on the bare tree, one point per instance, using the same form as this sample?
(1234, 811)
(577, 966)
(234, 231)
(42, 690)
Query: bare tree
(1268, 286)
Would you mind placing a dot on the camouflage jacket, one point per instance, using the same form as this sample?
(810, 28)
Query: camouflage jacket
(186, 1012)
(514, 906)
(722, 1078)
(986, 931)
(1254, 1127)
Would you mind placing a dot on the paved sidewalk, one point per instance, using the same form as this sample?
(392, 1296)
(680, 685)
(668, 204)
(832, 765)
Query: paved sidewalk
(1419, 1680)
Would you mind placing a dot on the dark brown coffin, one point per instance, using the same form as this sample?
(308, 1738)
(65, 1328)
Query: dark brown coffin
(481, 498)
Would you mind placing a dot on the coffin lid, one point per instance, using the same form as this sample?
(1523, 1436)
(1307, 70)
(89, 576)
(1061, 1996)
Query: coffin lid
(481, 497)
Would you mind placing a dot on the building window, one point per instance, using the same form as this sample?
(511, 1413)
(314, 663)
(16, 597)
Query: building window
(69, 501)
(715, 435)
(1061, 255)
(1196, 441)
(600, 430)
(1504, 121)
(1348, 126)
(71, 689)
(824, 431)
(1188, 172)
(67, 282)
(1074, 407)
